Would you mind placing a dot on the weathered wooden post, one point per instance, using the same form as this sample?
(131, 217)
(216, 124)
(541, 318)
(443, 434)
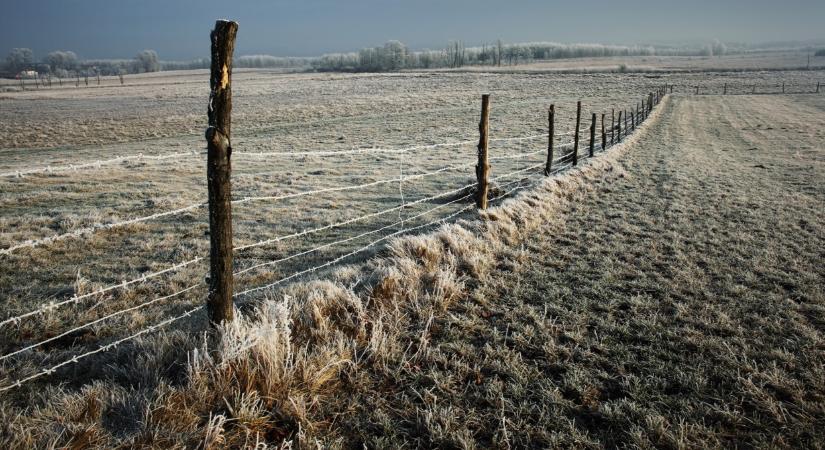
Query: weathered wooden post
(619, 128)
(612, 126)
(632, 120)
(576, 136)
(697, 89)
(725, 92)
(671, 88)
(783, 87)
(604, 135)
(817, 87)
(483, 167)
(592, 134)
(98, 78)
(550, 132)
(218, 171)
(626, 127)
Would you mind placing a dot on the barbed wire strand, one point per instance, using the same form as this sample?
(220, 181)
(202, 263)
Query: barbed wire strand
(101, 349)
(77, 298)
(99, 320)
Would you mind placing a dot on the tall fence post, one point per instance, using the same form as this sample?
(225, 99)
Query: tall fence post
(725, 92)
(218, 171)
(576, 136)
(612, 126)
(604, 135)
(551, 118)
(783, 87)
(592, 134)
(817, 87)
(626, 126)
(632, 120)
(697, 89)
(483, 167)
(619, 128)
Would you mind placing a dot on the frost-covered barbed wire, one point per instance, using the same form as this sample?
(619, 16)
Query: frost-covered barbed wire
(97, 227)
(104, 348)
(377, 241)
(100, 163)
(99, 320)
(350, 188)
(77, 298)
(362, 249)
(353, 220)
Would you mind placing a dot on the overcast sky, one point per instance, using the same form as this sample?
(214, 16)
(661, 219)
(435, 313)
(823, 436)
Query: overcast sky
(179, 29)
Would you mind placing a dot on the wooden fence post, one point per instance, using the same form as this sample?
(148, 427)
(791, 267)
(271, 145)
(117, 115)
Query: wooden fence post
(551, 131)
(671, 88)
(626, 126)
(697, 89)
(612, 126)
(754, 89)
(592, 134)
(576, 136)
(604, 135)
(632, 120)
(218, 171)
(817, 87)
(619, 128)
(725, 92)
(783, 87)
(483, 166)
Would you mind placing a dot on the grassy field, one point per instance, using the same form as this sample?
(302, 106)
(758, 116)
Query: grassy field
(670, 294)
(676, 303)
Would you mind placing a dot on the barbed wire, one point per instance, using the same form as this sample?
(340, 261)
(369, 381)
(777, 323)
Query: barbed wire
(99, 163)
(77, 298)
(99, 320)
(98, 227)
(101, 349)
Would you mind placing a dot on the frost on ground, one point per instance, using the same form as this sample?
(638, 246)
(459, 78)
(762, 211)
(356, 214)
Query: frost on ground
(710, 226)
(668, 295)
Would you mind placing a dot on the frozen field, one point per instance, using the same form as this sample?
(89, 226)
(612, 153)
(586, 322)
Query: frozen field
(278, 121)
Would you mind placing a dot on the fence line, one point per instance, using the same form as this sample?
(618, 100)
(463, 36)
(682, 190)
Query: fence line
(152, 328)
(98, 227)
(653, 100)
(77, 299)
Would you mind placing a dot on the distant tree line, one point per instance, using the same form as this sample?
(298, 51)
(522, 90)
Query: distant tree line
(392, 56)
(395, 56)
(64, 64)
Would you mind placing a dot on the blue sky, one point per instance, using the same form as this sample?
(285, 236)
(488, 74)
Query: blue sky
(179, 29)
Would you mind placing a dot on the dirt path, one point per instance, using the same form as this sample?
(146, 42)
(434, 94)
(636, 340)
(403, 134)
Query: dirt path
(681, 305)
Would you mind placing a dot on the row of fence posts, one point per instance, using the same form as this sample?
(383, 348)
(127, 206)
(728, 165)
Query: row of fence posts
(48, 80)
(219, 165)
(753, 89)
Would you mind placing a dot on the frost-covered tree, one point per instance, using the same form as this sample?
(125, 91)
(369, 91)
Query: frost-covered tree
(394, 55)
(147, 61)
(19, 59)
(66, 60)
